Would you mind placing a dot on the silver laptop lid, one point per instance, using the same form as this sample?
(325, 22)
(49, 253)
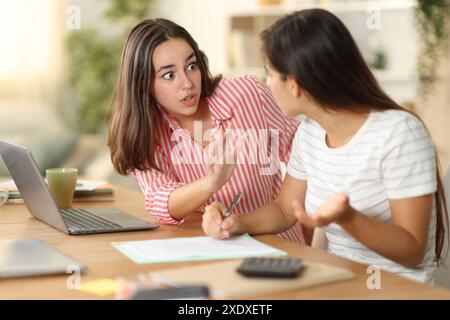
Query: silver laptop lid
(31, 257)
(31, 185)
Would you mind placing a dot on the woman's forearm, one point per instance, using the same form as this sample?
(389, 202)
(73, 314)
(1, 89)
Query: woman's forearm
(388, 240)
(186, 199)
(272, 218)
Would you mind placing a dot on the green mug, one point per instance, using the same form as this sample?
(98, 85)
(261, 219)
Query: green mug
(62, 183)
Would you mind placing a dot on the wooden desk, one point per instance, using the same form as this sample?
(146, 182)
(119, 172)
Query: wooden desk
(104, 261)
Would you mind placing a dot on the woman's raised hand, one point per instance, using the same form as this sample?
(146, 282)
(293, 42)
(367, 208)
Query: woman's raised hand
(220, 161)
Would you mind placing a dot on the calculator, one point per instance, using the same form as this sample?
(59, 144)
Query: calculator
(270, 267)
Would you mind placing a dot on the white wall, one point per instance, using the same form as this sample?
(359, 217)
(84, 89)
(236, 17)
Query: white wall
(206, 21)
(91, 13)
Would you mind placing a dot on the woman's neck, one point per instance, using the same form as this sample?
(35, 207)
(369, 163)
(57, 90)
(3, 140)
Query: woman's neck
(202, 114)
(203, 118)
(340, 126)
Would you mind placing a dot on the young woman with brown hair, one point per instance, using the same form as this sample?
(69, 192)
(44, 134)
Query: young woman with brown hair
(167, 110)
(362, 168)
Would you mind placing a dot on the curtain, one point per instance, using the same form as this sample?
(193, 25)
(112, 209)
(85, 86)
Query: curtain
(30, 49)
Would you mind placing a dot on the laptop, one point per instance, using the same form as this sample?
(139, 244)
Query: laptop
(31, 257)
(40, 204)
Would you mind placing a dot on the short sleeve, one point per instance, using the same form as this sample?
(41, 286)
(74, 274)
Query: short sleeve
(408, 160)
(295, 166)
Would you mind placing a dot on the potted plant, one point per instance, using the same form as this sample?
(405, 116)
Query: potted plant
(432, 18)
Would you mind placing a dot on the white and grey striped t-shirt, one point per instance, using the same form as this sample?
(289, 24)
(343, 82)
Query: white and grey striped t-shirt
(390, 157)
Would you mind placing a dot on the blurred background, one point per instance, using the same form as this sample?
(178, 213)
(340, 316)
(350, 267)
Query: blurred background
(59, 58)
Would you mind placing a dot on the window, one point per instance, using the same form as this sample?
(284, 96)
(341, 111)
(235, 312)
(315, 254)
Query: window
(30, 47)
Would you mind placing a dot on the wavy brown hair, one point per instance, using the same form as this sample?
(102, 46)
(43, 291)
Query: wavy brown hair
(316, 48)
(134, 115)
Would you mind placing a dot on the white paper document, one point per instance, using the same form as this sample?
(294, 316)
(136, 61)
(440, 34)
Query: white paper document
(82, 184)
(194, 248)
(89, 185)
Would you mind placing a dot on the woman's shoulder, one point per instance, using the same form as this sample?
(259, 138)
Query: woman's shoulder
(245, 81)
(308, 124)
(396, 127)
(395, 120)
(242, 91)
(394, 116)
(308, 128)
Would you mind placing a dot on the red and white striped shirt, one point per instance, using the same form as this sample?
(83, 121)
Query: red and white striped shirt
(244, 104)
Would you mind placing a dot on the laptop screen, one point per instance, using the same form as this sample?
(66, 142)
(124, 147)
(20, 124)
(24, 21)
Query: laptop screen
(31, 185)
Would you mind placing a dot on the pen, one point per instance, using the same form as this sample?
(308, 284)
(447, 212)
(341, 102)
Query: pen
(233, 204)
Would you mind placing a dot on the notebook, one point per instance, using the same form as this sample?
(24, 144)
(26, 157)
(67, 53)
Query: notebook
(194, 248)
(225, 283)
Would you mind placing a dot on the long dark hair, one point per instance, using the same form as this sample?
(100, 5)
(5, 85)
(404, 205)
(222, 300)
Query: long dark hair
(316, 48)
(134, 114)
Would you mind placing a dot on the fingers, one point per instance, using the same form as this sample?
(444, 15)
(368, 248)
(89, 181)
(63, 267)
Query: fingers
(214, 154)
(231, 147)
(302, 216)
(221, 150)
(330, 211)
(230, 226)
(218, 206)
(221, 146)
(215, 226)
(237, 149)
(342, 200)
(212, 220)
(333, 209)
(210, 154)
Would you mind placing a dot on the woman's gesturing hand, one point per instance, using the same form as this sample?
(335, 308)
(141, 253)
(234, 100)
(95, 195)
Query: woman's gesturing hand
(220, 160)
(335, 209)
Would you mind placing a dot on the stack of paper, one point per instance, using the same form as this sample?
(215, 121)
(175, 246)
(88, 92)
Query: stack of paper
(93, 190)
(86, 190)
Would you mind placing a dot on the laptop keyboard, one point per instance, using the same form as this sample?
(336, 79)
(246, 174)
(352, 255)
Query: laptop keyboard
(85, 220)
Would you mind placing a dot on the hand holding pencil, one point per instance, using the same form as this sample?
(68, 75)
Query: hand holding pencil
(214, 224)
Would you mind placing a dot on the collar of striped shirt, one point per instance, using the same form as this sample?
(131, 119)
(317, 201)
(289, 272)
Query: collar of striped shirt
(220, 111)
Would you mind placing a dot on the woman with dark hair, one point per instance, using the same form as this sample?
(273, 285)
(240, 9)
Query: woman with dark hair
(362, 168)
(167, 110)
